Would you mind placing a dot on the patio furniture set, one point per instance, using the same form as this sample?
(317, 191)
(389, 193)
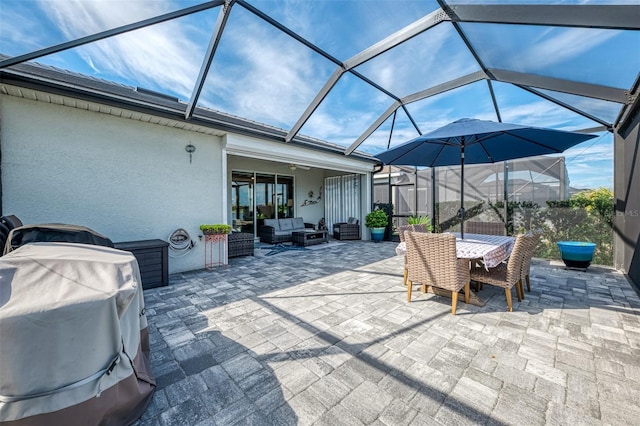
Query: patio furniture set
(281, 230)
(295, 230)
(450, 262)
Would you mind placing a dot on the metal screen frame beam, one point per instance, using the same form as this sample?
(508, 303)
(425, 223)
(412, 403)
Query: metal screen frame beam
(221, 22)
(397, 38)
(372, 128)
(595, 91)
(494, 100)
(324, 91)
(109, 33)
(567, 106)
(620, 17)
(445, 87)
(288, 31)
(435, 90)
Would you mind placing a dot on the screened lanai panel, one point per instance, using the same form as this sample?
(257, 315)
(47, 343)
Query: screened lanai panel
(604, 110)
(582, 54)
(345, 27)
(134, 59)
(590, 165)
(403, 130)
(523, 107)
(470, 101)
(33, 25)
(431, 58)
(347, 111)
(569, 2)
(261, 73)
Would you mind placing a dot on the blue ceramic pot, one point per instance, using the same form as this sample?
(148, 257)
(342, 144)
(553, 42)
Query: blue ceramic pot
(576, 254)
(377, 234)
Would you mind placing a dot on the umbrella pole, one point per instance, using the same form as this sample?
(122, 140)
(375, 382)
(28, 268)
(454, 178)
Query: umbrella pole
(461, 211)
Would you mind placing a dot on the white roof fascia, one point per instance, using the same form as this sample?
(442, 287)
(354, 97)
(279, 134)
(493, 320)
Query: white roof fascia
(71, 102)
(245, 146)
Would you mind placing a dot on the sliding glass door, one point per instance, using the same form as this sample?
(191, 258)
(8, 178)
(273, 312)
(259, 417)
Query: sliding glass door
(242, 205)
(259, 196)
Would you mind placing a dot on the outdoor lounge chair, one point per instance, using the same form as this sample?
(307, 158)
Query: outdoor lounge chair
(349, 230)
(431, 260)
(506, 275)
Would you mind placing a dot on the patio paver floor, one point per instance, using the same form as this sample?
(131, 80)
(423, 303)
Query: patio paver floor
(326, 337)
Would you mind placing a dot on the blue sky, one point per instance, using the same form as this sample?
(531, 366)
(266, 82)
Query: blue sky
(262, 74)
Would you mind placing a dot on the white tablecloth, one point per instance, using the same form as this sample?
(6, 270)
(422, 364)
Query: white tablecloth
(492, 249)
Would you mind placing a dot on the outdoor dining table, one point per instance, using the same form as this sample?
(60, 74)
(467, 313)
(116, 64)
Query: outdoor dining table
(490, 249)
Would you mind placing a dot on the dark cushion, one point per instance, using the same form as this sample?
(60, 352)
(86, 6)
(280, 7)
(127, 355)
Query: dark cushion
(11, 221)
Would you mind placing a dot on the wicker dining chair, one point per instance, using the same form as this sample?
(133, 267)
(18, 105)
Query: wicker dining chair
(532, 243)
(486, 228)
(506, 275)
(431, 260)
(409, 228)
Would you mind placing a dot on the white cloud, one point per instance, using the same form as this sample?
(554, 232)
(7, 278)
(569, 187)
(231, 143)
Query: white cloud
(424, 61)
(590, 164)
(559, 45)
(159, 56)
(262, 74)
(19, 35)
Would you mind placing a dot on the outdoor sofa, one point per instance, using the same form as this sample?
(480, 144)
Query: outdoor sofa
(279, 230)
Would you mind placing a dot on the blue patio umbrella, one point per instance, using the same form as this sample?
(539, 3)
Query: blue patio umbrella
(472, 141)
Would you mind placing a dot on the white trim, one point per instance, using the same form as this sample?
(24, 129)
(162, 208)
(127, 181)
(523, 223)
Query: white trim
(245, 146)
(67, 101)
(225, 189)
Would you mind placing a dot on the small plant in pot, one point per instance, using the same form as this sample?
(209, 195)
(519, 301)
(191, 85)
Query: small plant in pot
(420, 220)
(215, 229)
(376, 221)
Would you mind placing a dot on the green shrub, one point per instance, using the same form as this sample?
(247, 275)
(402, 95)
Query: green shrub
(376, 219)
(420, 220)
(215, 229)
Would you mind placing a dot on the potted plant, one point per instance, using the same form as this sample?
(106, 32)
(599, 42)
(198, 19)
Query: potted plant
(420, 220)
(576, 254)
(215, 229)
(376, 221)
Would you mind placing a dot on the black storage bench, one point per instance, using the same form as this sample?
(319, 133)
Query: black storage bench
(153, 260)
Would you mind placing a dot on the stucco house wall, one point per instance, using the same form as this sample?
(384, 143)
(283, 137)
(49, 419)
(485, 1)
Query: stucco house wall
(126, 179)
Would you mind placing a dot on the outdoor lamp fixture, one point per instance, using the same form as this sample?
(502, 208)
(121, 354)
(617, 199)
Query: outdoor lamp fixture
(190, 149)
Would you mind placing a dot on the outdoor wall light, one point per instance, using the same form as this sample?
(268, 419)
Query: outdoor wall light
(190, 149)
